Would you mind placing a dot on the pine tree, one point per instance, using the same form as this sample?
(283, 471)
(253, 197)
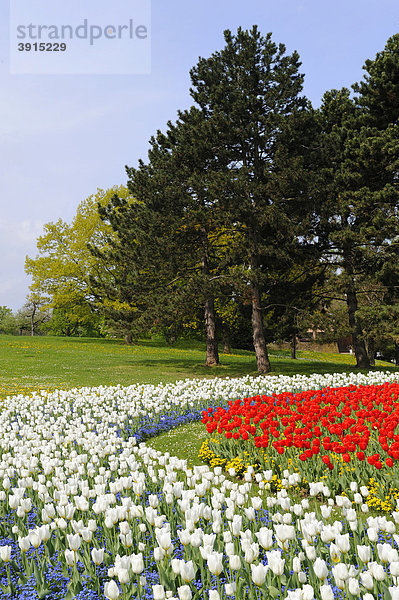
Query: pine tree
(358, 188)
(248, 92)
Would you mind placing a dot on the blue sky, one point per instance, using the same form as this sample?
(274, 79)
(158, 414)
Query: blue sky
(64, 136)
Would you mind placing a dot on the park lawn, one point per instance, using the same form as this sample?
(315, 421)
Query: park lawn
(33, 363)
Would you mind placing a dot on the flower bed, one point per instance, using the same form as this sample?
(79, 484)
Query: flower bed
(347, 433)
(87, 512)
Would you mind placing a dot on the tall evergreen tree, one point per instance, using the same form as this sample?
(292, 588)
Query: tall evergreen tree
(358, 188)
(249, 92)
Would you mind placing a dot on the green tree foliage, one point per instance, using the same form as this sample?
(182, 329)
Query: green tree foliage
(62, 269)
(7, 321)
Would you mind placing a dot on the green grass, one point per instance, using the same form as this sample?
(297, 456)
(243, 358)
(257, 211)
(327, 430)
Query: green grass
(31, 363)
(183, 442)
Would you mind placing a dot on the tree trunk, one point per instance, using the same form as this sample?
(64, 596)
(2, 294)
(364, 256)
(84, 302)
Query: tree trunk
(226, 342)
(396, 354)
(128, 338)
(371, 350)
(32, 321)
(362, 360)
(262, 358)
(293, 346)
(212, 353)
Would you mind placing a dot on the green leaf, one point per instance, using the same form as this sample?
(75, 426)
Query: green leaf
(273, 591)
(43, 593)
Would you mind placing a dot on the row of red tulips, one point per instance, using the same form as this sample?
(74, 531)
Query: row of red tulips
(360, 423)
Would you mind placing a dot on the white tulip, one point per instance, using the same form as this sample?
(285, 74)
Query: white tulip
(387, 553)
(230, 588)
(184, 536)
(394, 591)
(74, 541)
(97, 556)
(159, 554)
(372, 534)
(158, 592)
(364, 553)
(285, 532)
(214, 562)
(325, 511)
(111, 590)
(377, 571)
(320, 568)
(326, 592)
(342, 542)
(184, 592)
(275, 562)
(310, 552)
(5, 553)
(340, 571)
(34, 538)
(24, 543)
(259, 573)
(234, 562)
(187, 571)
(137, 563)
(366, 579)
(70, 557)
(265, 537)
(353, 586)
(296, 564)
(302, 577)
(307, 592)
(123, 576)
(335, 553)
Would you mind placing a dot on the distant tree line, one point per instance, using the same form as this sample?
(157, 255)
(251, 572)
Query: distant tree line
(255, 217)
